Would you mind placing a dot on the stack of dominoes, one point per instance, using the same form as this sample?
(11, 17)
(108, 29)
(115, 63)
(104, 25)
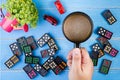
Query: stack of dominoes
(26, 46)
(46, 39)
(104, 46)
(55, 64)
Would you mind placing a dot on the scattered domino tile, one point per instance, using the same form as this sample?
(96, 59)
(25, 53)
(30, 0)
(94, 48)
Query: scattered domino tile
(96, 48)
(40, 70)
(31, 41)
(105, 66)
(47, 52)
(30, 71)
(103, 41)
(15, 48)
(51, 52)
(28, 54)
(27, 68)
(55, 64)
(109, 17)
(52, 44)
(32, 60)
(46, 64)
(59, 6)
(9, 63)
(12, 61)
(101, 53)
(43, 40)
(55, 68)
(62, 64)
(36, 60)
(105, 33)
(27, 50)
(94, 57)
(46, 37)
(44, 53)
(50, 64)
(50, 59)
(55, 47)
(22, 42)
(28, 59)
(110, 50)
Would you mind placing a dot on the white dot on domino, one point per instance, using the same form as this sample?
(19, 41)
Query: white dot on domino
(37, 65)
(34, 67)
(11, 46)
(96, 44)
(98, 48)
(16, 47)
(40, 67)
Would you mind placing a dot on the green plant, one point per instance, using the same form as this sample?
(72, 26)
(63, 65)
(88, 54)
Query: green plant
(23, 10)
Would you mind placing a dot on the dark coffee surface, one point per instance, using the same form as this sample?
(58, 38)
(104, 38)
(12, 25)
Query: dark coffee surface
(77, 27)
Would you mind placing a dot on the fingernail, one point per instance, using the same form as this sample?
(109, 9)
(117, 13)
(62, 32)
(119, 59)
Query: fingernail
(76, 51)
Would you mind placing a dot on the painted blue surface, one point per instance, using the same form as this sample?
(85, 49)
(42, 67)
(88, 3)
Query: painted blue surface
(93, 8)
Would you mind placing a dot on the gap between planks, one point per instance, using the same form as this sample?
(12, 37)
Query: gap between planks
(113, 38)
(20, 70)
(72, 8)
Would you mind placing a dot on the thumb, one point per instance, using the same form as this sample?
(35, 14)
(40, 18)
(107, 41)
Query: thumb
(76, 59)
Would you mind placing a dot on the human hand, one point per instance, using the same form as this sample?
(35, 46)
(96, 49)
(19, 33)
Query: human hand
(80, 65)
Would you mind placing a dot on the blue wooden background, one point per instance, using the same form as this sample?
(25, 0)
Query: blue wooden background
(93, 8)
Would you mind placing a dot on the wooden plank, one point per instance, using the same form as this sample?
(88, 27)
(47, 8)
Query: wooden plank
(92, 8)
(80, 4)
(113, 75)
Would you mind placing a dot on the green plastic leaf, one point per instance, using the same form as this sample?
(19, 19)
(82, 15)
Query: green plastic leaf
(23, 10)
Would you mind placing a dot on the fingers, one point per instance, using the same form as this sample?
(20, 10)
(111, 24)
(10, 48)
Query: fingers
(86, 60)
(79, 59)
(85, 56)
(69, 57)
(76, 59)
(69, 63)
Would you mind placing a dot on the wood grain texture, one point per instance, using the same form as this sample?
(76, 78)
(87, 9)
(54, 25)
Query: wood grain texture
(93, 8)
